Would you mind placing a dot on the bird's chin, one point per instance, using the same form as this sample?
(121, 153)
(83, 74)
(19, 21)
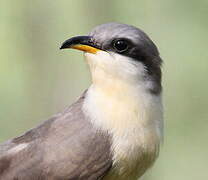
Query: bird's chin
(87, 54)
(98, 53)
(99, 58)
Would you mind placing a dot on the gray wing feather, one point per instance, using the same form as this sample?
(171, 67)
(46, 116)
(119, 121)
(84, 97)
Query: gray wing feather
(66, 147)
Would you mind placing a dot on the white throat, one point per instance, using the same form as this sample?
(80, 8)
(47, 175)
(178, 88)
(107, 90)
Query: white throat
(119, 102)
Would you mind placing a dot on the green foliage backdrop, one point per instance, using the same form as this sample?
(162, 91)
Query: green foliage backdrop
(37, 80)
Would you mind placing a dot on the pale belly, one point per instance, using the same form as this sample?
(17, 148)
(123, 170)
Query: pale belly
(126, 171)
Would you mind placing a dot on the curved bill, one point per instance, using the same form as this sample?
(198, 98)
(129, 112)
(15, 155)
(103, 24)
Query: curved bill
(82, 43)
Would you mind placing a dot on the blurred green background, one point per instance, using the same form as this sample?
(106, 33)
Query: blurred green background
(37, 80)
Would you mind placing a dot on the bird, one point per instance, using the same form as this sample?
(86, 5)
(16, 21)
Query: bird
(113, 131)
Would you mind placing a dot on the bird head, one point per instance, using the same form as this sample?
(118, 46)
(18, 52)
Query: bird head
(120, 51)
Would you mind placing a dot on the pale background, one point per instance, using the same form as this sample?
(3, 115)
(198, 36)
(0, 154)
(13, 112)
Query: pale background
(37, 80)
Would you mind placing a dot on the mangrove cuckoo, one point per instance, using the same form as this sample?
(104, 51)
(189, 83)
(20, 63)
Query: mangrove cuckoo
(113, 131)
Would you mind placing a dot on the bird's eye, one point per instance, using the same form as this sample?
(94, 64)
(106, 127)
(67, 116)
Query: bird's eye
(120, 45)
